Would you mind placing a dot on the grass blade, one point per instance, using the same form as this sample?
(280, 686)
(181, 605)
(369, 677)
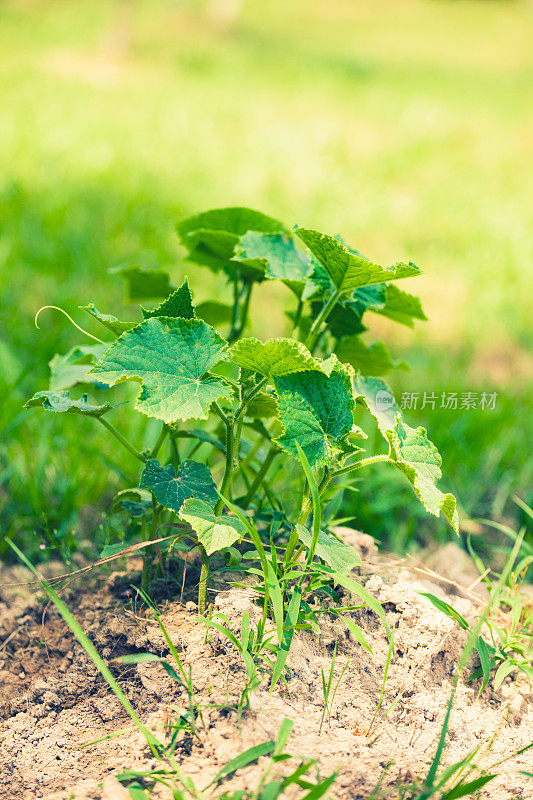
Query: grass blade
(464, 789)
(289, 624)
(243, 760)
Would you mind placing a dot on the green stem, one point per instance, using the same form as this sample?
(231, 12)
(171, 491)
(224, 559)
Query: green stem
(216, 408)
(252, 393)
(228, 470)
(245, 307)
(235, 312)
(315, 327)
(202, 586)
(365, 462)
(148, 554)
(123, 441)
(297, 317)
(272, 453)
(160, 440)
(175, 452)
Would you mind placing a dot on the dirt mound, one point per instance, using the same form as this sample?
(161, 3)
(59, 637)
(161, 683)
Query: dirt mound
(54, 702)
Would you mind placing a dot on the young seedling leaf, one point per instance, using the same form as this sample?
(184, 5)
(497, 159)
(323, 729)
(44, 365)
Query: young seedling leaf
(420, 461)
(62, 403)
(110, 322)
(347, 270)
(340, 556)
(373, 359)
(213, 532)
(170, 358)
(273, 357)
(144, 284)
(275, 254)
(171, 488)
(178, 304)
(315, 409)
(72, 368)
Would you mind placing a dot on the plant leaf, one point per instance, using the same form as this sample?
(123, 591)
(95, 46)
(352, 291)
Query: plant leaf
(467, 789)
(289, 624)
(447, 609)
(373, 359)
(213, 312)
(347, 270)
(400, 306)
(213, 532)
(171, 489)
(62, 403)
(211, 237)
(178, 304)
(357, 633)
(345, 319)
(243, 759)
(314, 408)
(143, 284)
(338, 555)
(170, 357)
(275, 254)
(420, 462)
(273, 357)
(108, 320)
(380, 401)
(71, 368)
(262, 406)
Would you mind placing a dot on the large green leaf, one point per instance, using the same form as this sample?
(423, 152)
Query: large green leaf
(273, 357)
(337, 554)
(420, 462)
(62, 403)
(171, 488)
(275, 254)
(373, 359)
(144, 284)
(211, 237)
(315, 409)
(347, 270)
(110, 322)
(213, 532)
(410, 449)
(170, 358)
(178, 304)
(72, 368)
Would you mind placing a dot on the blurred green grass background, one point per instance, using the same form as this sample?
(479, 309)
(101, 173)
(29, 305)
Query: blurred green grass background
(405, 125)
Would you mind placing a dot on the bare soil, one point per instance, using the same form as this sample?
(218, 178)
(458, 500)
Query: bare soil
(53, 701)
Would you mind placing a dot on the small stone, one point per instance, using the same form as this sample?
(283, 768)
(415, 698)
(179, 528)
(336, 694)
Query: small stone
(190, 606)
